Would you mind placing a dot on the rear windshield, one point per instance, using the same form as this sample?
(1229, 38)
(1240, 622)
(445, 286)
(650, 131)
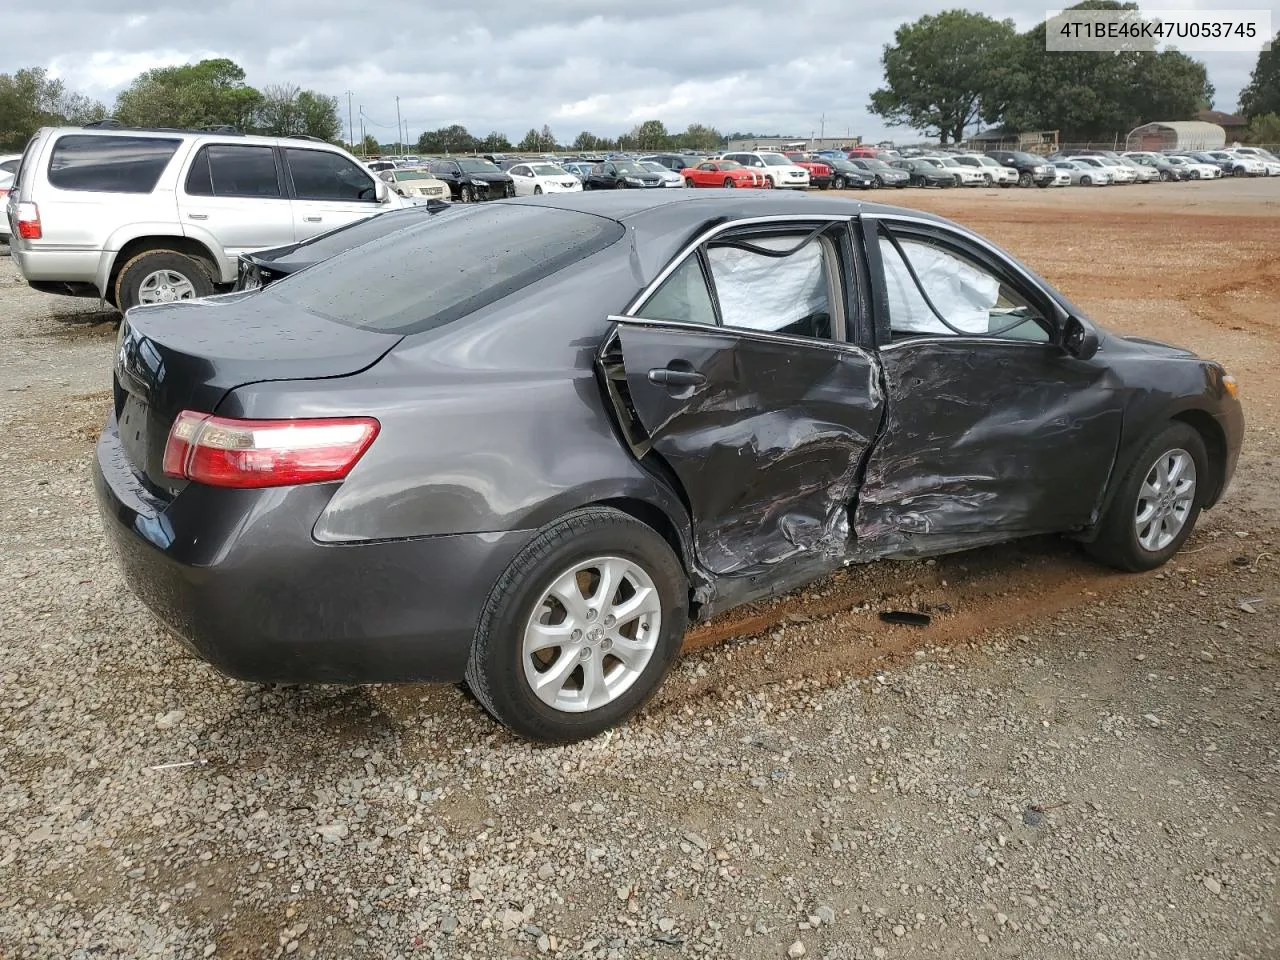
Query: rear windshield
(109, 164)
(462, 259)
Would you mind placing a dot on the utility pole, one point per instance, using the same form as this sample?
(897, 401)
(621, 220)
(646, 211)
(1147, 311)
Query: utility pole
(399, 147)
(351, 135)
(822, 127)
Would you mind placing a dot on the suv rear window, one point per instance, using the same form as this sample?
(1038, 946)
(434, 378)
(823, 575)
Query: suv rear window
(110, 164)
(431, 274)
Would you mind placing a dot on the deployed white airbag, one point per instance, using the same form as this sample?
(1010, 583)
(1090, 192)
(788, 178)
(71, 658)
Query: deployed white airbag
(769, 293)
(962, 293)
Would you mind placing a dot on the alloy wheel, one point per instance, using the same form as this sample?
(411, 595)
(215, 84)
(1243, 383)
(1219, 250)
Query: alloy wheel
(165, 286)
(591, 634)
(1165, 500)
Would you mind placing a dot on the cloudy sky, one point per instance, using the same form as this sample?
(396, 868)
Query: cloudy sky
(598, 65)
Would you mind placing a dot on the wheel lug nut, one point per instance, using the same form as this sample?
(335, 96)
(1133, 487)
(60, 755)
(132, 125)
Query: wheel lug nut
(606, 644)
(609, 621)
(585, 654)
(576, 635)
(591, 614)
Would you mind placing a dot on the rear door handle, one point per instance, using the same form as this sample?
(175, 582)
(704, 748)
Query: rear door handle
(197, 216)
(676, 378)
(312, 219)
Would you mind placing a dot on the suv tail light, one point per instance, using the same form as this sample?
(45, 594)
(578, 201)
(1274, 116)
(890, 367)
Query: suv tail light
(222, 452)
(29, 222)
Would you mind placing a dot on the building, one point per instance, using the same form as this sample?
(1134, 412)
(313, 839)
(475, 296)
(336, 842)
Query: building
(1235, 126)
(792, 143)
(1177, 135)
(999, 138)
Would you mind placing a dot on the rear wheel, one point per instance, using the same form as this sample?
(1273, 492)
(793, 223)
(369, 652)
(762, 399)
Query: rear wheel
(877, 182)
(581, 628)
(537, 190)
(161, 276)
(1157, 503)
(986, 179)
(1240, 172)
(772, 182)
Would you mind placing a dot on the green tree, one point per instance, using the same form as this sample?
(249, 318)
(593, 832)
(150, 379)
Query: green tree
(29, 100)
(546, 139)
(495, 142)
(698, 137)
(369, 146)
(451, 139)
(650, 135)
(192, 95)
(531, 143)
(1265, 128)
(1262, 94)
(941, 72)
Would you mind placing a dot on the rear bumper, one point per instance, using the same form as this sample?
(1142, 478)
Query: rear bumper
(236, 575)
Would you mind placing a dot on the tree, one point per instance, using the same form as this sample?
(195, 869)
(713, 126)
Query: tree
(495, 142)
(319, 116)
(192, 95)
(29, 100)
(531, 143)
(698, 137)
(1265, 128)
(546, 139)
(1089, 95)
(450, 139)
(651, 135)
(369, 146)
(1262, 94)
(940, 72)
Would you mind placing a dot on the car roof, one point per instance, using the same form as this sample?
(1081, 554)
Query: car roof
(161, 133)
(632, 206)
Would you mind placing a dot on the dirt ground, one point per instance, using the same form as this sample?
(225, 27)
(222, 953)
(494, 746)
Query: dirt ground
(1068, 762)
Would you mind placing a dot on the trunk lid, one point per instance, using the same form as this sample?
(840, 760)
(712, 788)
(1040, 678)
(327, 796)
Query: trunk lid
(188, 356)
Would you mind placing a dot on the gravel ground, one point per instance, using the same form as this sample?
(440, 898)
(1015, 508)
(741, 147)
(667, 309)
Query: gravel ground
(1067, 763)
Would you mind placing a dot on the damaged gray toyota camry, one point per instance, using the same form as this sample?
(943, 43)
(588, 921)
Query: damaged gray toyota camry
(525, 443)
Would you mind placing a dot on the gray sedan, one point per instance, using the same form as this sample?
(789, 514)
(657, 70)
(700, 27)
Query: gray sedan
(525, 443)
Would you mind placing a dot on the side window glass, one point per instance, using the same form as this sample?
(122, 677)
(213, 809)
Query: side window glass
(790, 294)
(320, 175)
(683, 296)
(109, 164)
(970, 300)
(223, 170)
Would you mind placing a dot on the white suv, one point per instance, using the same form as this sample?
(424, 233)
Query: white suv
(150, 216)
(777, 169)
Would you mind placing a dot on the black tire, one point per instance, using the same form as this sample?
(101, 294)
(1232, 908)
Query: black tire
(987, 180)
(495, 672)
(1166, 176)
(619, 184)
(773, 184)
(878, 181)
(729, 184)
(1025, 179)
(959, 182)
(1086, 180)
(1117, 542)
(537, 190)
(825, 186)
(838, 183)
(467, 194)
(138, 268)
(1240, 172)
(1047, 183)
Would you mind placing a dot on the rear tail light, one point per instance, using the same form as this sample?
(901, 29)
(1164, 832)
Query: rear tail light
(222, 452)
(29, 222)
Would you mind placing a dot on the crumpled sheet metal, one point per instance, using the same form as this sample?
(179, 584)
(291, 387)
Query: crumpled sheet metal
(769, 474)
(976, 449)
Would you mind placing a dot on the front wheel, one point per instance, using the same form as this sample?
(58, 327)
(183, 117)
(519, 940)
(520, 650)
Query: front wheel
(1240, 172)
(1025, 180)
(537, 190)
(1086, 181)
(772, 183)
(838, 183)
(728, 183)
(877, 182)
(1157, 503)
(468, 195)
(619, 185)
(581, 628)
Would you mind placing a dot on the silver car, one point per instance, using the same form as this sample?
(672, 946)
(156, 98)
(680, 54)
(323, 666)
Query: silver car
(1084, 174)
(152, 216)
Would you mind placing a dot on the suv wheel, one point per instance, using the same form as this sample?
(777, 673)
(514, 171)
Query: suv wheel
(161, 276)
(1024, 179)
(581, 628)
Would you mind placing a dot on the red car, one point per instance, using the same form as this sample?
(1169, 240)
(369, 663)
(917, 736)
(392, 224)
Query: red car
(819, 172)
(723, 173)
(863, 153)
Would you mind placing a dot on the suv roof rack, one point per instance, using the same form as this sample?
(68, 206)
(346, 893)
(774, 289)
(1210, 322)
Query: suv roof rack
(304, 136)
(111, 123)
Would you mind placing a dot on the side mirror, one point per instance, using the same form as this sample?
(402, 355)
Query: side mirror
(381, 191)
(1079, 339)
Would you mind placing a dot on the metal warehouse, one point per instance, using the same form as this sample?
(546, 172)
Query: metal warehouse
(1177, 135)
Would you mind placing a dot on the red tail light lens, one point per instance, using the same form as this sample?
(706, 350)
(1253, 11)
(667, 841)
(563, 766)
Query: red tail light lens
(29, 222)
(222, 452)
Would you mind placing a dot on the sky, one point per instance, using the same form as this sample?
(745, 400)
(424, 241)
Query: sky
(794, 67)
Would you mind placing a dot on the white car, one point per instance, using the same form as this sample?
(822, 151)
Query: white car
(992, 171)
(534, 179)
(1241, 166)
(965, 176)
(1099, 169)
(1122, 172)
(9, 162)
(1268, 160)
(6, 181)
(1199, 171)
(1084, 174)
(777, 169)
(416, 183)
(669, 177)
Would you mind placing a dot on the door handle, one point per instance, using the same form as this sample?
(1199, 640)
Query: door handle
(676, 378)
(197, 216)
(312, 219)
